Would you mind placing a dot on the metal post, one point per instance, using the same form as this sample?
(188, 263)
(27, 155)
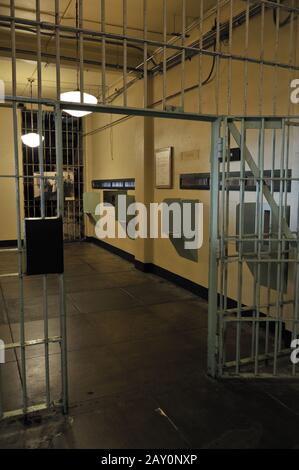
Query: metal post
(183, 73)
(217, 48)
(213, 270)
(42, 199)
(230, 62)
(103, 30)
(81, 48)
(60, 211)
(240, 246)
(164, 92)
(125, 53)
(200, 75)
(145, 52)
(18, 211)
(246, 61)
(57, 44)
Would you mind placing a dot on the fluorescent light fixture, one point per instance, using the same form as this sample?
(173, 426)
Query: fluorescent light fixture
(75, 97)
(31, 140)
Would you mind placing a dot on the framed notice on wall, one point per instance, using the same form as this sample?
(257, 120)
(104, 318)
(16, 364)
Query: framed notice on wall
(163, 168)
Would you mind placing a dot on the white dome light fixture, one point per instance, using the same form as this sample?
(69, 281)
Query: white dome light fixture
(75, 97)
(32, 140)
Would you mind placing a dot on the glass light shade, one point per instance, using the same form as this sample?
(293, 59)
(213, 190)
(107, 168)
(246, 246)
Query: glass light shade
(75, 97)
(31, 140)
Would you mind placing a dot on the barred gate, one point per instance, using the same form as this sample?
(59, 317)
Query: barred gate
(254, 263)
(73, 170)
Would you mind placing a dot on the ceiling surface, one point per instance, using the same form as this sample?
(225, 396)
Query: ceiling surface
(27, 49)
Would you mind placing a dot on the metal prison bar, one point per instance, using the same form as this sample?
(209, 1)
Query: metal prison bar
(46, 341)
(72, 165)
(177, 49)
(259, 312)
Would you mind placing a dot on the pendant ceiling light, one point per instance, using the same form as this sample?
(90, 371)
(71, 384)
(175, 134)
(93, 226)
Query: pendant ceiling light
(75, 96)
(31, 139)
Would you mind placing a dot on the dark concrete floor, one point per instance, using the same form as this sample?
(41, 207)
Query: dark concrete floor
(137, 367)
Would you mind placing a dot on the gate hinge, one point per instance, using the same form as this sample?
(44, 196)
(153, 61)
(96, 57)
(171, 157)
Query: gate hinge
(220, 146)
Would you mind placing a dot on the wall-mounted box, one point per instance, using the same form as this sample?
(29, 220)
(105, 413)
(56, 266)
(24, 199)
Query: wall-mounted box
(44, 246)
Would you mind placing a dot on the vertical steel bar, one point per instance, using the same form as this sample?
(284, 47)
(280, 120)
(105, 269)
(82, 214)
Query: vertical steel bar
(275, 78)
(223, 249)
(125, 51)
(230, 61)
(240, 248)
(80, 166)
(246, 56)
(256, 248)
(82, 179)
(39, 113)
(271, 235)
(279, 297)
(285, 245)
(42, 197)
(18, 210)
(213, 269)
(103, 29)
(225, 233)
(217, 81)
(81, 48)
(60, 202)
(291, 52)
(145, 52)
(260, 226)
(164, 93)
(183, 72)
(296, 283)
(57, 46)
(200, 74)
(262, 54)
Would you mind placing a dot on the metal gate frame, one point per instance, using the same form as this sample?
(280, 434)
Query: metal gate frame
(73, 161)
(223, 311)
(47, 340)
(181, 51)
(218, 150)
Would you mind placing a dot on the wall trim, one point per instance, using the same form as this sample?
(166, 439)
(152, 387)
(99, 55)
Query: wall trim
(191, 286)
(8, 243)
(113, 249)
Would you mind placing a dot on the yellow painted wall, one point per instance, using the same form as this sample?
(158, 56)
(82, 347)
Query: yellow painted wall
(127, 149)
(186, 136)
(113, 154)
(8, 227)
